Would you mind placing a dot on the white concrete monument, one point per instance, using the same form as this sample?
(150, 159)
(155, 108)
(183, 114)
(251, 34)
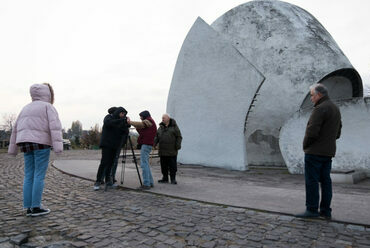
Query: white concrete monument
(211, 90)
(237, 82)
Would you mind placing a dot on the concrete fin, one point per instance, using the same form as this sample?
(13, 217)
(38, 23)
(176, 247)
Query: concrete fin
(212, 88)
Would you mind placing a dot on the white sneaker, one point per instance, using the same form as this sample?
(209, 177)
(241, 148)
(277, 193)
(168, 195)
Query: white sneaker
(96, 186)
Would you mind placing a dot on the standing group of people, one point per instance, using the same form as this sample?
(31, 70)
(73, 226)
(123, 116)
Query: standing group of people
(38, 129)
(114, 136)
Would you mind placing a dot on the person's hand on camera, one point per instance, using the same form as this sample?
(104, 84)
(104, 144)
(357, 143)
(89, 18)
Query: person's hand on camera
(128, 120)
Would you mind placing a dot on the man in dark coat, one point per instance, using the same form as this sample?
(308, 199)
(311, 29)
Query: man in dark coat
(319, 144)
(169, 139)
(115, 129)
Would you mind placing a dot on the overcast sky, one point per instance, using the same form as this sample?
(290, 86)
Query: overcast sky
(102, 53)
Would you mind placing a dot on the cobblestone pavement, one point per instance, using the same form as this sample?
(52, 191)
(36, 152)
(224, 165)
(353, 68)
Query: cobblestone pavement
(81, 217)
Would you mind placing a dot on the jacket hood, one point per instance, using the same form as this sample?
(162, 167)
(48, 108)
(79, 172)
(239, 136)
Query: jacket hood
(40, 92)
(111, 110)
(119, 110)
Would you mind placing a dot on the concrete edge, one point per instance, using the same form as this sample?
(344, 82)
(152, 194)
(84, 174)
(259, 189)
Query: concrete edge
(219, 204)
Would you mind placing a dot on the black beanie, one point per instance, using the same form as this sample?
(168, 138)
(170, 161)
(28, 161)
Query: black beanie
(111, 110)
(145, 114)
(119, 110)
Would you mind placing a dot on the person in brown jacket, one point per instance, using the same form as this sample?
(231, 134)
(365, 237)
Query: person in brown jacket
(319, 145)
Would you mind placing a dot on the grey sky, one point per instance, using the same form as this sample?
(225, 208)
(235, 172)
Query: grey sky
(98, 54)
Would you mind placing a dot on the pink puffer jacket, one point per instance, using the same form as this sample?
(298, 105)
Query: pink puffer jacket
(38, 122)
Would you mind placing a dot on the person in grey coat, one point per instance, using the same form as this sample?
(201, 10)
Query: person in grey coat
(168, 139)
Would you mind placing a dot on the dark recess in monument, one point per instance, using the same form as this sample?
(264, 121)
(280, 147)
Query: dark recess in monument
(342, 84)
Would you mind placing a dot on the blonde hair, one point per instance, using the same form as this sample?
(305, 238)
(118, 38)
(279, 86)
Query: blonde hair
(51, 92)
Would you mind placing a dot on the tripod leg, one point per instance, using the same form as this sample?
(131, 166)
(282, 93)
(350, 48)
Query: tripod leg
(123, 163)
(135, 161)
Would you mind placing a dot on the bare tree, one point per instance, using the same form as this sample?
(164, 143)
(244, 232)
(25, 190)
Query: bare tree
(91, 138)
(9, 121)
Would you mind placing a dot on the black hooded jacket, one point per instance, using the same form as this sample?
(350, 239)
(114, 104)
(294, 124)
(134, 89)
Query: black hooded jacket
(115, 129)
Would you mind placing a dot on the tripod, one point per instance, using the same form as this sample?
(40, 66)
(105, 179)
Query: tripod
(124, 153)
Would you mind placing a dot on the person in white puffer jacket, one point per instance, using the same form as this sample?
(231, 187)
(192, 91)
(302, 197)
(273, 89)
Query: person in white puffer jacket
(36, 130)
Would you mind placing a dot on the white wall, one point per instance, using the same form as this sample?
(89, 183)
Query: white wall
(353, 147)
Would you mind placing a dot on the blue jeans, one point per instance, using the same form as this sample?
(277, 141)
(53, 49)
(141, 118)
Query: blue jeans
(317, 170)
(35, 167)
(144, 158)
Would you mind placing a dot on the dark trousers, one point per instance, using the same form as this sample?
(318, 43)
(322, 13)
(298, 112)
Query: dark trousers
(115, 164)
(168, 163)
(317, 170)
(106, 163)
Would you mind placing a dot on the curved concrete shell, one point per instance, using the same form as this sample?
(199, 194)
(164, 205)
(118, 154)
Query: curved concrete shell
(293, 51)
(211, 90)
(282, 42)
(352, 147)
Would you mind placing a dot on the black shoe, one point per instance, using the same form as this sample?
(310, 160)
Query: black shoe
(29, 212)
(325, 215)
(307, 214)
(108, 185)
(144, 187)
(39, 211)
(173, 182)
(163, 181)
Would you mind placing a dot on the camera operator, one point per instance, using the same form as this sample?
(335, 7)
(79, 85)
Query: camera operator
(115, 129)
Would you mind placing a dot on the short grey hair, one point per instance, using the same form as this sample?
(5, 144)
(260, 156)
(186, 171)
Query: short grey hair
(167, 115)
(320, 88)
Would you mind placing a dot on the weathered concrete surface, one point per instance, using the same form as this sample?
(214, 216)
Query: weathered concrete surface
(212, 88)
(352, 147)
(293, 51)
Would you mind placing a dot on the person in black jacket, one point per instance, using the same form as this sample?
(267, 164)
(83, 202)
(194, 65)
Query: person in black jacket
(115, 129)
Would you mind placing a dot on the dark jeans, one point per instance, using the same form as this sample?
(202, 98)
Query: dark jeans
(115, 164)
(168, 163)
(317, 170)
(106, 163)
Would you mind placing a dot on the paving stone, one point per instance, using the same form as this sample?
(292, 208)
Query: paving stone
(210, 244)
(19, 239)
(59, 244)
(79, 244)
(363, 242)
(3, 239)
(356, 227)
(286, 218)
(343, 242)
(272, 237)
(103, 243)
(255, 238)
(84, 236)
